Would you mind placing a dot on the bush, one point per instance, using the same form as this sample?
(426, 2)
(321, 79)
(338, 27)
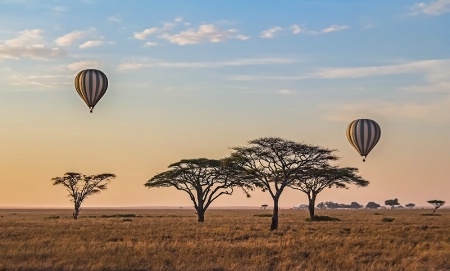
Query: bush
(323, 218)
(388, 219)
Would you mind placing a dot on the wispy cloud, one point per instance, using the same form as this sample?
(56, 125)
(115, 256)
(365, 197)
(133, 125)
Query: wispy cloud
(286, 92)
(81, 65)
(433, 8)
(72, 37)
(358, 72)
(270, 33)
(39, 81)
(150, 44)
(435, 111)
(296, 29)
(88, 39)
(330, 29)
(196, 65)
(114, 19)
(435, 72)
(147, 32)
(335, 28)
(91, 43)
(204, 33)
(28, 44)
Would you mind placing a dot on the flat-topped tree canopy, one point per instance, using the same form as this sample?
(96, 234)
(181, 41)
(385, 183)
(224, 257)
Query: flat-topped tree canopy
(204, 180)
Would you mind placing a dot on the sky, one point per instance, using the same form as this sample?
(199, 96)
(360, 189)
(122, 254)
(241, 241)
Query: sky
(191, 79)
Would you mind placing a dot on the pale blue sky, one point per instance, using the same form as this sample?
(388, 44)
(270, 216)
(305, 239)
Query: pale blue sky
(190, 79)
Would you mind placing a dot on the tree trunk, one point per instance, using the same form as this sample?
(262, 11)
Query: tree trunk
(274, 224)
(76, 211)
(200, 205)
(311, 206)
(201, 215)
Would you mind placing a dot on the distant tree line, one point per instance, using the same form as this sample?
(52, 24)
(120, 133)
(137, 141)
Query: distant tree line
(333, 205)
(355, 205)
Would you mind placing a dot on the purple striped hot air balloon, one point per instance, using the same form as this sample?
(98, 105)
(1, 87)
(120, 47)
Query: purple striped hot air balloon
(363, 135)
(91, 85)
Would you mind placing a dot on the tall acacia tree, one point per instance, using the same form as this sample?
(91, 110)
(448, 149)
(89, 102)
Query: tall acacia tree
(204, 180)
(80, 186)
(274, 163)
(314, 180)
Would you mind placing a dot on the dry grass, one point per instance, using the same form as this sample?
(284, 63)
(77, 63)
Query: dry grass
(228, 240)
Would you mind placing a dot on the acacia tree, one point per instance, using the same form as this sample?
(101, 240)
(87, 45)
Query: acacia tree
(314, 180)
(274, 163)
(391, 202)
(436, 203)
(204, 180)
(410, 205)
(373, 205)
(80, 186)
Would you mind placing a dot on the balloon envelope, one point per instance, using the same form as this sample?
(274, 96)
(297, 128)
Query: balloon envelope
(363, 135)
(91, 85)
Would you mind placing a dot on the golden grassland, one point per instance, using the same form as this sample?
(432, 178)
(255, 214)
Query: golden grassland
(114, 239)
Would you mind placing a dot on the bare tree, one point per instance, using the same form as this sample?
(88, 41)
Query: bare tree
(80, 186)
(204, 180)
(274, 163)
(314, 180)
(436, 203)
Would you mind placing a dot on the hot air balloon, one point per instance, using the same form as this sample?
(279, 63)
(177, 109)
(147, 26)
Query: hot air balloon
(363, 135)
(91, 85)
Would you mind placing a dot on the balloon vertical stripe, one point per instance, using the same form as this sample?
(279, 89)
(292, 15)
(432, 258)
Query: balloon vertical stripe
(363, 135)
(91, 85)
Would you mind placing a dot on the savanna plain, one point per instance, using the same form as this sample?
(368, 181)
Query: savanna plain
(155, 239)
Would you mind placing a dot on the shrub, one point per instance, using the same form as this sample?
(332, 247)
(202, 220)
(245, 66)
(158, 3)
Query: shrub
(388, 219)
(323, 218)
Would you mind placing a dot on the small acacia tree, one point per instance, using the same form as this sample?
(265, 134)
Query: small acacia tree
(372, 205)
(274, 163)
(436, 203)
(80, 186)
(391, 202)
(410, 205)
(204, 180)
(314, 180)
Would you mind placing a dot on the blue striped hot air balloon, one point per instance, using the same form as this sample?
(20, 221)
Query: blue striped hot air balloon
(91, 85)
(363, 135)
